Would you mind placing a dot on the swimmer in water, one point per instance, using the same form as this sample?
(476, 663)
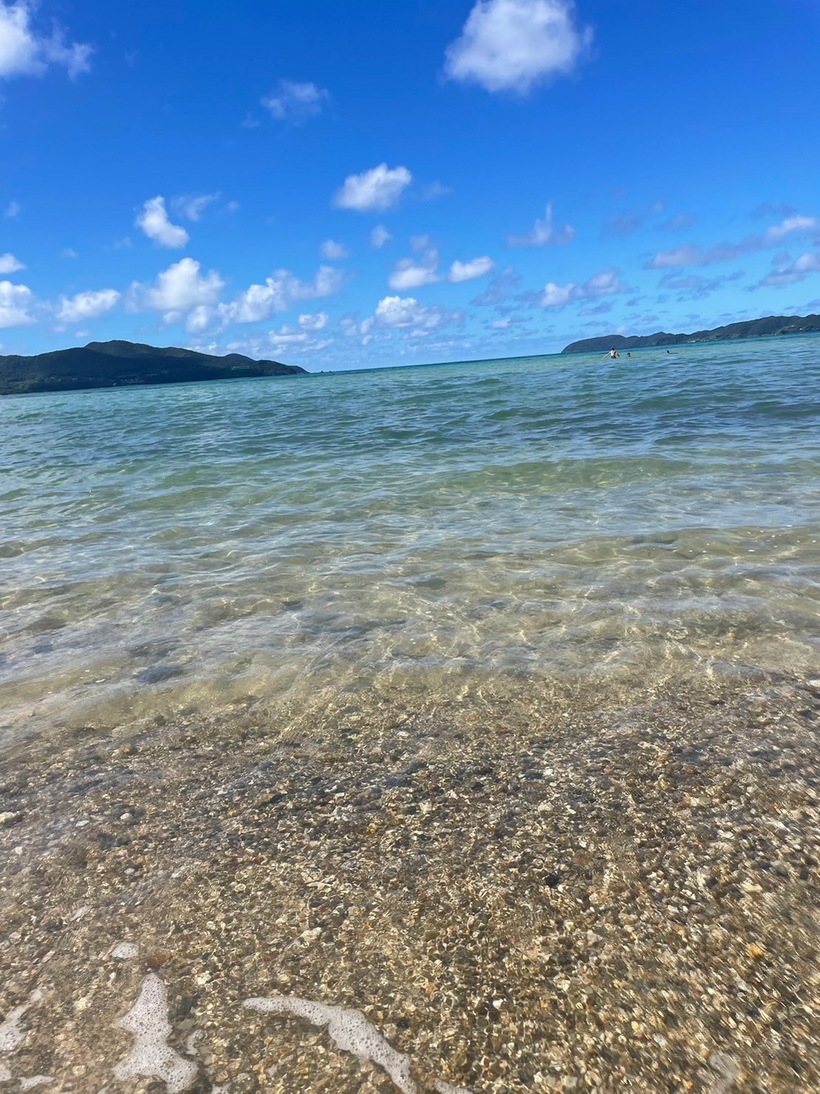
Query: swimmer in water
(613, 353)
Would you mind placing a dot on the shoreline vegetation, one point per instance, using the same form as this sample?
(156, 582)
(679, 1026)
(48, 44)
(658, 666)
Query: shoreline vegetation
(750, 328)
(127, 364)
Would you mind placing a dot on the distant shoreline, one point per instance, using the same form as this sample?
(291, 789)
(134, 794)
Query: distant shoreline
(127, 364)
(751, 328)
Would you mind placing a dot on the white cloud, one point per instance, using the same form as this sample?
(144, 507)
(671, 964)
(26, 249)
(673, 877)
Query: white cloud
(24, 53)
(468, 271)
(314, 322)
(334, 251)
(512, 45)
(279, 293)
(295, 102)
(397, 311)
(192, 206)
(86, 305)
(14, 302)
(607, 283)
(12, 210)
(410, 274)
(556, 296)
(178, 289)
(182, 292)
(379, 188)
(199, 319)
(379, 236)
(10, 264)
(287, 338)
(155, 223)
(544, 234)
(406, 313)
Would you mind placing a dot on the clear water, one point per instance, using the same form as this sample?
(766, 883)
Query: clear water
(192, 545)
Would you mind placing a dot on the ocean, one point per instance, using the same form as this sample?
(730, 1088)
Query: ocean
(348, 641)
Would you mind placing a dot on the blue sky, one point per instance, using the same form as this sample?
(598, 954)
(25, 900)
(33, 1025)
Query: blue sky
(363, 184)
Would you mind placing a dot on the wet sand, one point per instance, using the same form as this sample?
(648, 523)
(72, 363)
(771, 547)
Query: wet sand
(522, 885)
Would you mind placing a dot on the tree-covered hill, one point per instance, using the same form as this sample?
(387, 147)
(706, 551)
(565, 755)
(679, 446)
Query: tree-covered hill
(120, 364)
(751, 328)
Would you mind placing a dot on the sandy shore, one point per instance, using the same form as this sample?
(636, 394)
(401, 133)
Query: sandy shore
(522, 886)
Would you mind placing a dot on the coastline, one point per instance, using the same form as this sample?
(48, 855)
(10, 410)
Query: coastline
(601, 884)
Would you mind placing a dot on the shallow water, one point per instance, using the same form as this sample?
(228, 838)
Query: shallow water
(186, 547)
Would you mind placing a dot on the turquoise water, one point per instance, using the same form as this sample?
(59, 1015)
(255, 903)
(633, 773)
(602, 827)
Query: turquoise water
(188, 546)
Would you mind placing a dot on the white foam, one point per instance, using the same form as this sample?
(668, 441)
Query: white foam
(351, 1031)
(151, 1056)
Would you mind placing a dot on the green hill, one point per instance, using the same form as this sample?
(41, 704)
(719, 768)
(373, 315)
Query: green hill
(752, 328)
(121, 364)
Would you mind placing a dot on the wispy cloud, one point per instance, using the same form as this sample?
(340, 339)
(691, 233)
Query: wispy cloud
(544, 234)
(379, 236)
(192, 206)
(333, 251)
(767, 210)
(153, 220)
(788, 272)
(377, 189)
(513, 45)
(12, 210)
(501, 288)
(677, 223)
(632, 220)
(694, 286)
(692, 255)
(434, 190)
(24, 52)
(294, 102)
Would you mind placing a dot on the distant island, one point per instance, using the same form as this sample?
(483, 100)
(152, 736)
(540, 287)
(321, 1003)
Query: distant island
(125, 364)
(752, 328)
